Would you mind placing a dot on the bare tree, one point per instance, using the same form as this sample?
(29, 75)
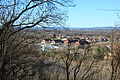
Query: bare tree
(115, 62)
(79, 63)
(15, 16)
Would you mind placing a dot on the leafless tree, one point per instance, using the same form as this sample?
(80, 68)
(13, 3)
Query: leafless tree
(15, 16)
(79, 63)
(115, 62)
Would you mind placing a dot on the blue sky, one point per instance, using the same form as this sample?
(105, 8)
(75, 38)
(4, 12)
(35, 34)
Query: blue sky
(89, 13)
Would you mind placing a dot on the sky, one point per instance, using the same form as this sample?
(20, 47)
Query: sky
(93, 13)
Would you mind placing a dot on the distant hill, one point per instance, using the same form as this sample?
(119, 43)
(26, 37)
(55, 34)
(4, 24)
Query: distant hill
(93, 28)
(50, 28)
(97, 28)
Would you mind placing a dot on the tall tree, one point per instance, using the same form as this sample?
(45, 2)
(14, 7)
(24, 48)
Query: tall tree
(17, 15)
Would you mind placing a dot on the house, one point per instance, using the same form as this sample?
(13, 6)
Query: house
(84, 42)
(71, 41)
(104, 40)
(46, 41)
(90, 39)
(56, 42)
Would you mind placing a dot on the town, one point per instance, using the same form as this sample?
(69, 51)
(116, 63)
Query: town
(59, 41)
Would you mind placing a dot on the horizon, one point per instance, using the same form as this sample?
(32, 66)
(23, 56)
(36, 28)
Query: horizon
(101, 28)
